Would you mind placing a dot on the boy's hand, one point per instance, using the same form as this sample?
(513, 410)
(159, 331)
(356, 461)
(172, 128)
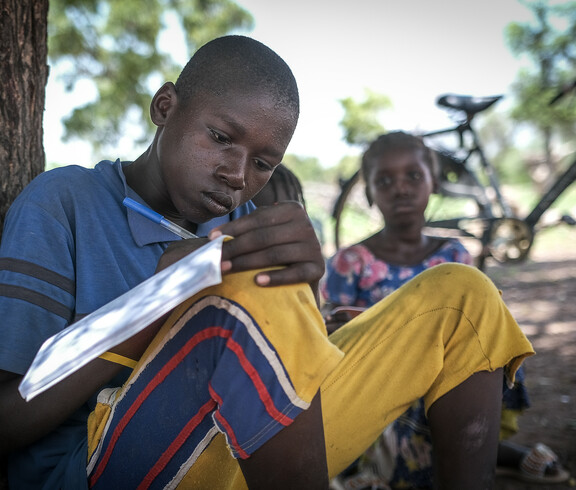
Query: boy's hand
(279, 235)
(178, 250)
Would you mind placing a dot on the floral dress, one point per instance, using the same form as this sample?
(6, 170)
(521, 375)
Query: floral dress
(402, 456)
(355, 277)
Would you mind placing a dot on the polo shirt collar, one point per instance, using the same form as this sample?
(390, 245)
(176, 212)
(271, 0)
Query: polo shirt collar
(146, 232)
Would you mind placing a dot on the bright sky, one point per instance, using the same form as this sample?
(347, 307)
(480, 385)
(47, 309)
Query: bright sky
(411, 51)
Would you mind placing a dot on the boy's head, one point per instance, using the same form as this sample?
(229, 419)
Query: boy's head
(238, 63)
(222, 128)
(394, 142)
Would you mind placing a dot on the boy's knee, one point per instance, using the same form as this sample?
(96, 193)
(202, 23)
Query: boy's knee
(452, 271)
(287, 303)
(241, 287)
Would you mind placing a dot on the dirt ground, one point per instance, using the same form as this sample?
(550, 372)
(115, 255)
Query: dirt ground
(541, 294)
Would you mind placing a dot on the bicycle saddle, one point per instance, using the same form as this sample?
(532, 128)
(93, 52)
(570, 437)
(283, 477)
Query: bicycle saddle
(470, 105)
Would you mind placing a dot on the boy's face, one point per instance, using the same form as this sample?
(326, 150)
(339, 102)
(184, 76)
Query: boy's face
(400, 183)
(218, 152)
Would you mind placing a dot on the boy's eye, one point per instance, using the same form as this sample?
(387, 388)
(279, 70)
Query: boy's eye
(416, 175)
(219, 137)
(262, 165)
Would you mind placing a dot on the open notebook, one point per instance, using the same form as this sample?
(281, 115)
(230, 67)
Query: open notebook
(115, 322)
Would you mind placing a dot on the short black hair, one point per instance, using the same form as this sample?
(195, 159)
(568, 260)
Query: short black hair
(232, 63)
(398, 140)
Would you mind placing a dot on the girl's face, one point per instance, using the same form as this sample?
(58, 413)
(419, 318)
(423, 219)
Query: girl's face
(400, 183)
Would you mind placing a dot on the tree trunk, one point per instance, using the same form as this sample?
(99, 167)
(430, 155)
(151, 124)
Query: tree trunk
(23, 76)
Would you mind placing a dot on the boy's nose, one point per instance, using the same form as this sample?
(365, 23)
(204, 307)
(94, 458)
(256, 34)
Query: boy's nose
(233, 172)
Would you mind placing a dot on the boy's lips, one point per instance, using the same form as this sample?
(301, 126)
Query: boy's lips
(217, 199)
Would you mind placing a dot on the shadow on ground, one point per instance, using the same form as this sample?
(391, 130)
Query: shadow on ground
(542, 297)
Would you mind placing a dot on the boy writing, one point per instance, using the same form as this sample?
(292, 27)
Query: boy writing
(239, 385)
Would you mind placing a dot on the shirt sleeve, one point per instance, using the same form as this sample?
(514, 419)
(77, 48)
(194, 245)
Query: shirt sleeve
(36, 282)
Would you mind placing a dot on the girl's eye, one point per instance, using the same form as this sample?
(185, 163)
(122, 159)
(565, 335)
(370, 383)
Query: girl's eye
(219, 137)
(383, 181)
(416, 175)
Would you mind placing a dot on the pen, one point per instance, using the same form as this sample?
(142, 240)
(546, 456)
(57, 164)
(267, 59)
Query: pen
(157, 218)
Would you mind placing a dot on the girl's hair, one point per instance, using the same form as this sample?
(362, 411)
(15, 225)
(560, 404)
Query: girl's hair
(398, 140)
(282, 186)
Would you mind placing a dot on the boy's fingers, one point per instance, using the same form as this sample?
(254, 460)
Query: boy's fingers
(287, 255)
(263, 217)
(273, 246)
(274, 236)
(179, 249)
(304, 272)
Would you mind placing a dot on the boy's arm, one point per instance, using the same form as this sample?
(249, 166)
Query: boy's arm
(280, 235)
(293, 458)
(25, 422)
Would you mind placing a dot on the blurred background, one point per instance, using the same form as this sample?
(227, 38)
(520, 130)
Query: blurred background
(363, 68)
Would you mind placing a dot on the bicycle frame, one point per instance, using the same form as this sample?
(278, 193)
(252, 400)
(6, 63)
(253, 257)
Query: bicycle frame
(475, 150)
(502, 234)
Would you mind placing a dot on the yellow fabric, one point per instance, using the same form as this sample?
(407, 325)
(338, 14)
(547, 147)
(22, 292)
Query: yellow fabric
(421, 341)
(118, 359)
(286, 315)
(291, 322)
(509, 423)
(97, 419)
(396, 349)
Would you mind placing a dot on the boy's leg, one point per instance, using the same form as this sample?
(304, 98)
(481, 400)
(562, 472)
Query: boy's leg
(236, 359)
(391, 360)
(427, 340)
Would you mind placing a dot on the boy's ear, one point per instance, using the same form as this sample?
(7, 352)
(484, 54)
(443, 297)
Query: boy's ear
(162, 103)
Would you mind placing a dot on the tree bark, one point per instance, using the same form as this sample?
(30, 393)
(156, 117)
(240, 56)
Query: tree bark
(23, 76)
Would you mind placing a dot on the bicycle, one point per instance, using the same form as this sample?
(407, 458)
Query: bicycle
(501, 233)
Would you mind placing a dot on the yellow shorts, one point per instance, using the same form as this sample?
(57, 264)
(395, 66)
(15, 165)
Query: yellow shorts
(420, 342)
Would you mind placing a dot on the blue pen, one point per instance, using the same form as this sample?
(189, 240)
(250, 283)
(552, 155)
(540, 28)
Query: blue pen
(157, 218)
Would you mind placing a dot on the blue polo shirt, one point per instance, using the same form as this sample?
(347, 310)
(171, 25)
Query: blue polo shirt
(68, 247)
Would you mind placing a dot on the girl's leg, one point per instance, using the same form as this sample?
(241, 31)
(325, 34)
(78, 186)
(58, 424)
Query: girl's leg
(445, 337)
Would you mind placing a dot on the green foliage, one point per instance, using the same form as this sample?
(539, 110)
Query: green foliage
(360, 121)
(348, 166)
(498, 134)
(307, 169)
(115, 44)
(550, 43)
(533, 103)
